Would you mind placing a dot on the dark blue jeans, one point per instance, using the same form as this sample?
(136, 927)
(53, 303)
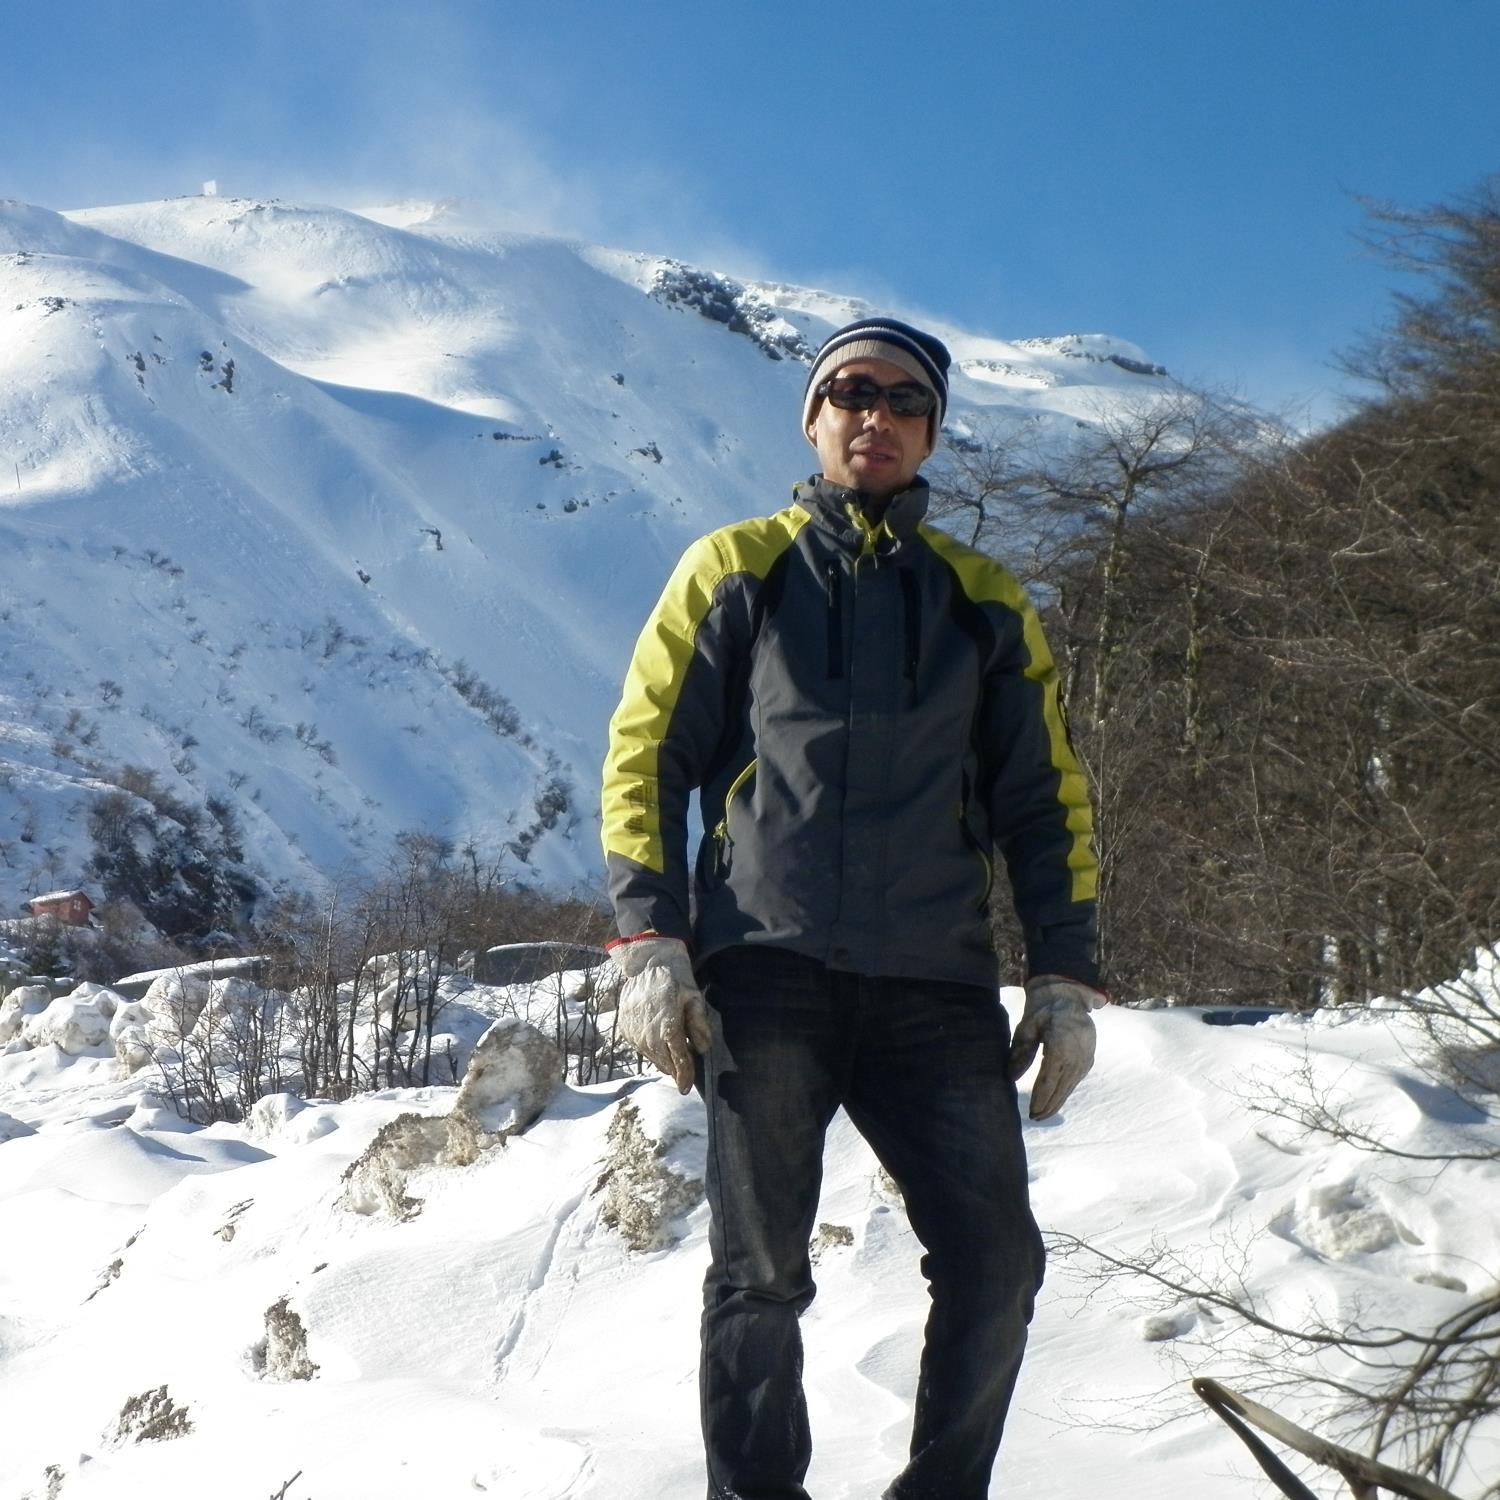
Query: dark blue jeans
(920, 1068)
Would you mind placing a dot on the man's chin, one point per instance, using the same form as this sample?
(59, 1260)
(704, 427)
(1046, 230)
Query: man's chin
(880, 480)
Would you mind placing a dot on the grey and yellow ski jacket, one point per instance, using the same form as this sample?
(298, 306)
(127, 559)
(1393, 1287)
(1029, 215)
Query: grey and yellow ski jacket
(868, 714)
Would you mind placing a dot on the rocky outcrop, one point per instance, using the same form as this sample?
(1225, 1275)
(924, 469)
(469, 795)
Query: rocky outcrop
(721, 299)
(512, 1075)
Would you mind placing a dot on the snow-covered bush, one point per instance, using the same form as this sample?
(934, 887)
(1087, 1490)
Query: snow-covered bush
(130, 1035)
(282, 1354)
(19, 1006)
(235, 1053)
(176, 1000)
(513, 1073)
(271, 1115)
(150, 1417)
(653, 1173)
(75, 1024)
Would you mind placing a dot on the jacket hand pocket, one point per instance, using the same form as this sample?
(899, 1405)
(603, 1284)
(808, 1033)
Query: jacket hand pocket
(976, 846)
(715, 854)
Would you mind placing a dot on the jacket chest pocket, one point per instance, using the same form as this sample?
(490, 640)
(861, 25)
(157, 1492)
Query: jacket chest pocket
(885, 633)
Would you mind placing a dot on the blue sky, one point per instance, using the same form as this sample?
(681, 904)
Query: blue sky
(1181, 173)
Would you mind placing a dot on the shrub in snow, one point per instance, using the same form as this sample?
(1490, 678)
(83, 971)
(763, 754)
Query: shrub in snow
(830, 1237)
(1336, 1218)
(23, 1002)
(154, 1113)
(1160, 1328)
(375, 1181)
(151, 1417)
(220, 1043)
(282, 1354)
(235, 1014)
(647, 1181)
(72, 1025)
(270, 1115)
(396, 1006)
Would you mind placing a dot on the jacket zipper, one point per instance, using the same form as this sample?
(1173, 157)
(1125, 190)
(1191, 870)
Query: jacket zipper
(912, 619)
(833, 589)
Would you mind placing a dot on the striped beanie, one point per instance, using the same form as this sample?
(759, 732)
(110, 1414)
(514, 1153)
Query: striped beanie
(923, 357)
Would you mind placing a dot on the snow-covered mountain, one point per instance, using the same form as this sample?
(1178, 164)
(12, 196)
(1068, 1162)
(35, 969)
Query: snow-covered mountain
(342, 524)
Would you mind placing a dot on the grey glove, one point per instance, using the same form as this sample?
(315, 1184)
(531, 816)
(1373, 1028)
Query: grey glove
(662, 1012)
(1057, 1020)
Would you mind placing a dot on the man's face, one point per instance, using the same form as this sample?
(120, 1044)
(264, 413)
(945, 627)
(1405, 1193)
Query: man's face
(870, 450)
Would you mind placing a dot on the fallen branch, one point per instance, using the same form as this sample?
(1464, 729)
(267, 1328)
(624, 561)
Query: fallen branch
(1362, 1474)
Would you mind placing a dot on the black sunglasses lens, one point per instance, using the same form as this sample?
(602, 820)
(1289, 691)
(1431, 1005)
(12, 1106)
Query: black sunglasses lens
(852, 395)
(905, 400)
(909, 400)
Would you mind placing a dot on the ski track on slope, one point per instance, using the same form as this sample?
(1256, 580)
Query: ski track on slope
(553, 1308)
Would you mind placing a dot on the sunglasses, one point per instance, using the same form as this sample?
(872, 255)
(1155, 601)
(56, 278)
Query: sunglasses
(907, 398)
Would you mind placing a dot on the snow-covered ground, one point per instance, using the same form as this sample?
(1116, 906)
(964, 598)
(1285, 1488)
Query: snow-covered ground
(505, 1340)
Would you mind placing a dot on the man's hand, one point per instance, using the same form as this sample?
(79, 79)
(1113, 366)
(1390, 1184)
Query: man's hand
(1057, 1020)
(662, 1011)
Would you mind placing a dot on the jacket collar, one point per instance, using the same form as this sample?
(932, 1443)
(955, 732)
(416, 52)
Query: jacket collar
(841, 511)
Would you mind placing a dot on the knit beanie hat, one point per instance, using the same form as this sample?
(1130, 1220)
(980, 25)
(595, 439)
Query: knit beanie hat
(920, 355)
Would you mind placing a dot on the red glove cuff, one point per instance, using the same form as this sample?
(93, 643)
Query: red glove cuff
(634, 937)
(641, 937)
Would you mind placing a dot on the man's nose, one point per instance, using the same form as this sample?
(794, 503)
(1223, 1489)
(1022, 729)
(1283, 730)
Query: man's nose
(879, 415)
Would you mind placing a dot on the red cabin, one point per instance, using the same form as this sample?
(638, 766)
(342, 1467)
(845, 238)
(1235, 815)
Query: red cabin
(72, 907)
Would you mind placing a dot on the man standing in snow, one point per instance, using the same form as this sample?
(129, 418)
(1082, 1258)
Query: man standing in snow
(867, 709)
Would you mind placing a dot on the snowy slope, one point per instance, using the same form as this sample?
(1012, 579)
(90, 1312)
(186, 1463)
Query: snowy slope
(505, 1341)
(349, 520)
